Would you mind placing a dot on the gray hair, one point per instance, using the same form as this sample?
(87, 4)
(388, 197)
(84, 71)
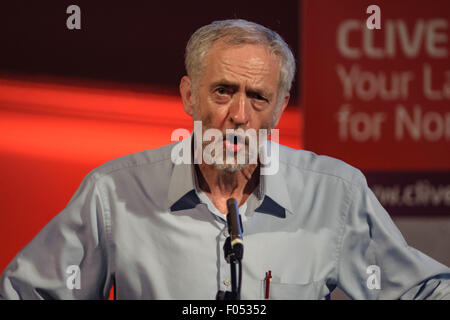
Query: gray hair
(237, 32)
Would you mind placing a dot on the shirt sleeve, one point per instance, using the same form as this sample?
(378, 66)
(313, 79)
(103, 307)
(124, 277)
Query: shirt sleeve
(68, 258)
(374, 260)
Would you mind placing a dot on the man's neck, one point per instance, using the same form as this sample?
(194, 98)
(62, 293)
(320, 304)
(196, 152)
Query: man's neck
(221, 185)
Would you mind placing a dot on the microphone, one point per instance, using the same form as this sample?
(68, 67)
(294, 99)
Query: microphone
(235, 229)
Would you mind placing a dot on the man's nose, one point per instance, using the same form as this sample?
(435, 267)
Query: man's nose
(239, 111)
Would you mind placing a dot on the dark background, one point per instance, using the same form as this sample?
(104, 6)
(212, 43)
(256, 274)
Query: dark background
(137, 43)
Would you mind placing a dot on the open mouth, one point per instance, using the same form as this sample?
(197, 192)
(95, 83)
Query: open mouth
(234, 142)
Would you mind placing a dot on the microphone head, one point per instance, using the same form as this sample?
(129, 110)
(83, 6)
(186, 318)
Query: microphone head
(233, 211)
(232, 204)
(235, 228)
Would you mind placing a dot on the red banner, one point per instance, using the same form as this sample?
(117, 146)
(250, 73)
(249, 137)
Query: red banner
(376, 94)
(378, 98)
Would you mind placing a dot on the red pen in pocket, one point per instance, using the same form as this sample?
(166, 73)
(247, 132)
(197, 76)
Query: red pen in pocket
(268, 279)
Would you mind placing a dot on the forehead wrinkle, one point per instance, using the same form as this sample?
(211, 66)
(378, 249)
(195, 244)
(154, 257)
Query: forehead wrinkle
(253, 66)
(253, 72)
(241, 67)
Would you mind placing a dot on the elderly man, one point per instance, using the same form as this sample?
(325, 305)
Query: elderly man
(155, 228)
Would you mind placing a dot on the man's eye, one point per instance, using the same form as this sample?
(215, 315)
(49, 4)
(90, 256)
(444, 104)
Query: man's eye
(222, 91)
(258, 97)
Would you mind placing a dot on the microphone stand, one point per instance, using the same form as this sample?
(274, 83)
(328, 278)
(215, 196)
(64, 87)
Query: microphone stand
(234, 257)
(230, 256)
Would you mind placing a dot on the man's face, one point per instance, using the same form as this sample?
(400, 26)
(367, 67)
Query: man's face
(237, 90)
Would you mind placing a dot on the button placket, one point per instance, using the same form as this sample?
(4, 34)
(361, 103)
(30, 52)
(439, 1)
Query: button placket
(224, 278)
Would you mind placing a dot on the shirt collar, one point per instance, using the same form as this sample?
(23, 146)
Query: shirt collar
(276, 200)
(183, 188)
(182, 193)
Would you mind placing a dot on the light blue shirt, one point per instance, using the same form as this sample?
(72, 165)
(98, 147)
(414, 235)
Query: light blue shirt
(140, 223)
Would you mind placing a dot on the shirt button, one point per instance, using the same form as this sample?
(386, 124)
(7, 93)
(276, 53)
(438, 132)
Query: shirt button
(225, 233)
(226, 282)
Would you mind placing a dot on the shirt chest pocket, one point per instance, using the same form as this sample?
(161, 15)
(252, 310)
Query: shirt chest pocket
(291, 291)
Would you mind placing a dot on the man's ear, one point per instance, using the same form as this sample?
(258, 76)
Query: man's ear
(187, 96)
(283, 106)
